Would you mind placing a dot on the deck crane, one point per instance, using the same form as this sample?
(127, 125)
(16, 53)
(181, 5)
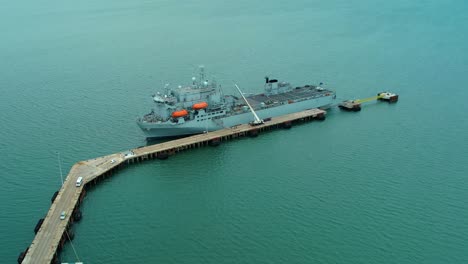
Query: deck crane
(257, 120)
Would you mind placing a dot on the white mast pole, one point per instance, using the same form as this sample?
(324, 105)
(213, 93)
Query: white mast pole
(257, 119)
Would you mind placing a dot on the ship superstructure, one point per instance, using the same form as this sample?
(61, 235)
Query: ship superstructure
(201, 106)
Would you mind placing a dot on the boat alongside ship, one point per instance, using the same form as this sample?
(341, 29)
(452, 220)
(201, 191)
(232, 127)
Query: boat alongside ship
(202, 106)
(355, 105)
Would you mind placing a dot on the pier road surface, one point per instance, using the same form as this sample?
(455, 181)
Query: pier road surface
(52, 233)
(44, 245)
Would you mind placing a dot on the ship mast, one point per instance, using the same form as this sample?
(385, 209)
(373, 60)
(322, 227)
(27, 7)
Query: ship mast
(202, 73)
(257, 121)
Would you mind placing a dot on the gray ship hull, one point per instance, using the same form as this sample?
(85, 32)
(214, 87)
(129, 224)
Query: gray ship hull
(169, 129)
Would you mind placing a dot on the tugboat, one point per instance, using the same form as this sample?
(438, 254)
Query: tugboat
(350, 105)
(387, 96)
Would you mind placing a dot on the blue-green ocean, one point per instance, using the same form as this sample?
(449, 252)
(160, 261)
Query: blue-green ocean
(386, 185)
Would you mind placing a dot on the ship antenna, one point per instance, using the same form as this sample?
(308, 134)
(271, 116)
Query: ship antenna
(202, 73)
(166, 88)
(257, 121)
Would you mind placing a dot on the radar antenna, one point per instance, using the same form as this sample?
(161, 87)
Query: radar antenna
(202, 73)
(166, 88)
(257, 121)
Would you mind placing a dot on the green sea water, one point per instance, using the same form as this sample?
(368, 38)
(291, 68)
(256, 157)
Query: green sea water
(386, 185)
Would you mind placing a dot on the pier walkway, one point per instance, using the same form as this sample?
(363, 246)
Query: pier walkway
(54, 232)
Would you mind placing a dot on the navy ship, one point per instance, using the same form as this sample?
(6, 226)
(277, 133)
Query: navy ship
(202, 107)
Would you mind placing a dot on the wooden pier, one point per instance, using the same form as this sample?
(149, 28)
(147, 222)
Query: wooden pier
(54, 232)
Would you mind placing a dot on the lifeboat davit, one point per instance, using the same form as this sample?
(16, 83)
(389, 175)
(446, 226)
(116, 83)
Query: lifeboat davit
(180, 113)
(199, 106)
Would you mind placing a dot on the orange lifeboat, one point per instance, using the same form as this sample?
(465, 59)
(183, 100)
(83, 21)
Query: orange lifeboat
(201, 105)
(179, 113)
